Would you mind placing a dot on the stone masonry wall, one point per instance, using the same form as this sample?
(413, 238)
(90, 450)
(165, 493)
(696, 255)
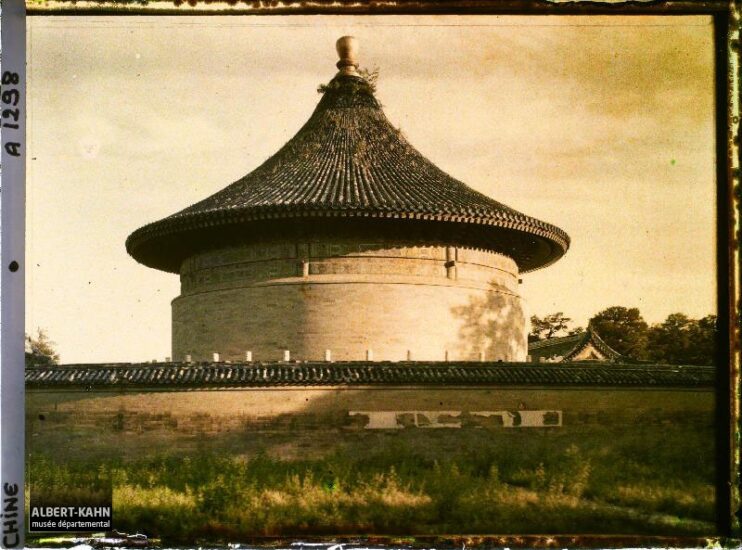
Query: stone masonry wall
(78, 423)
(349, 297)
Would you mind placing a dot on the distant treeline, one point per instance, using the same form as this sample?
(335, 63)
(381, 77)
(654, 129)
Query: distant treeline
(678, 340)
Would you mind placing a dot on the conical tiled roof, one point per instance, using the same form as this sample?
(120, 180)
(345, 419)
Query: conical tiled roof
(348, 161)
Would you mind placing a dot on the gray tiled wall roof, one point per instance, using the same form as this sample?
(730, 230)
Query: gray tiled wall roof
(362, 373)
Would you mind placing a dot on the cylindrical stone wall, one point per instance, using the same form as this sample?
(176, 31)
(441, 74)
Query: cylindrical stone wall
(400, 301)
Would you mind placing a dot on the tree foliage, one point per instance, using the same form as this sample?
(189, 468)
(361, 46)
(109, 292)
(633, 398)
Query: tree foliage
(624, 329)
(551, 326)
(40, 350)
(678, 340)
(682, 340)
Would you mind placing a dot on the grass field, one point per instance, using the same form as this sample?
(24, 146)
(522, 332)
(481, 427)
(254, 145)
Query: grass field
(654, 479)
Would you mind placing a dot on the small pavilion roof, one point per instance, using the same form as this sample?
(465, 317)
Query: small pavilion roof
(349, 162)
(567, 347)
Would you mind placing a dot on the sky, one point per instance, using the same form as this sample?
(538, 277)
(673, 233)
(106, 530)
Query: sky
(603, 126)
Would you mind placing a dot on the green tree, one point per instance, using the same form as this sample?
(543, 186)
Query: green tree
(680, 340)
(555, 324)
(704, 338)
(624, 329)
(40, 350)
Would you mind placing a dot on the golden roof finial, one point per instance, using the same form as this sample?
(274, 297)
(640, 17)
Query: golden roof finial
(347, 48)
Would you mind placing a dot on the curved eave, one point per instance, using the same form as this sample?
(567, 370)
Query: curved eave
(165, 244)
(592, 337)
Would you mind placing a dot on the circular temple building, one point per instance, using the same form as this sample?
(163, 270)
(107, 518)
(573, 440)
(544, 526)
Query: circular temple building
(348, 240)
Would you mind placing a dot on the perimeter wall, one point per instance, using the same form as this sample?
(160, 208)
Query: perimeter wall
(290, 422)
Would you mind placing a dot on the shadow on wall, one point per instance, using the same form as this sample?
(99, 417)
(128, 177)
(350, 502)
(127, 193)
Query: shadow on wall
(303, 422)
(493, 323)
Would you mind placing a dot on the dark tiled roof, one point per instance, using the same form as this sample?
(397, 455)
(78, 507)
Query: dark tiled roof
(568, 347)
(547, 343)
(181, 375)
(593, 338)
(348, 161)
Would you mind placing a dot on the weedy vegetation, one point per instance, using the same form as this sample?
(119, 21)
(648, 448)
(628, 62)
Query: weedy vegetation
(648, 479)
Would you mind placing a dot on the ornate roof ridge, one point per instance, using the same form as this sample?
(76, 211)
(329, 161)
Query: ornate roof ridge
(547, 342)
(591, 336)
(580, 340)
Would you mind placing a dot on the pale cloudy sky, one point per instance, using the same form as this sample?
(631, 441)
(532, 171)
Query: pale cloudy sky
(603, 126)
